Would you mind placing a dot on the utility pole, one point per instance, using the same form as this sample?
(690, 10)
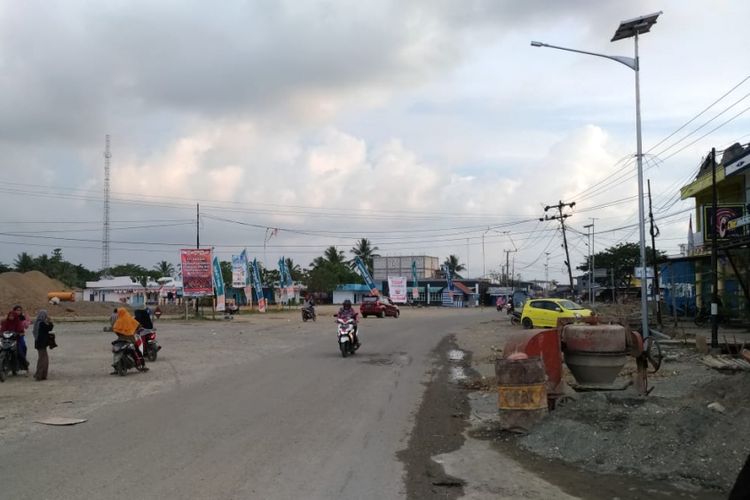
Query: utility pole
(654, 233)
(714, 257)
(197, 245)
(561, 217)
(588, 261)
(105, 235)
(546, 276)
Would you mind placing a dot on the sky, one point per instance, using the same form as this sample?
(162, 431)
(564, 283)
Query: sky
(430, 127)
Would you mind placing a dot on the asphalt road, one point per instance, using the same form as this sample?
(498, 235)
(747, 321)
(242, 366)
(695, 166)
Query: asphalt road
(297, 422)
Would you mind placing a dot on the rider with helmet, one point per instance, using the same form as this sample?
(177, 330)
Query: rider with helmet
(347, 312)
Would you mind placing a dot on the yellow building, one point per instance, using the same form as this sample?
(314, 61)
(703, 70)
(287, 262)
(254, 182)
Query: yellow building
(732, 220)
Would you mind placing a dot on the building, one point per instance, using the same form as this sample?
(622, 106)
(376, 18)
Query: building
(351, 291)
(121, 289)
(383, 267)
(732, 220)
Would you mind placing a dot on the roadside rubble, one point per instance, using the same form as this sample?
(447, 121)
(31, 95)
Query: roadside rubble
(689, 434)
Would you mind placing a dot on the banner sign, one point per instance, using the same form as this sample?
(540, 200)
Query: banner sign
(239, 270)
(196, 272)
(258, 287)
(415, 290)
(397, 289)
(219, 286)
(366, 276)
(724, 214)
(285, 278)
(448, 278)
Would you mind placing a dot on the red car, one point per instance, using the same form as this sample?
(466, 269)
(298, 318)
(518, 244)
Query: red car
(372, 305)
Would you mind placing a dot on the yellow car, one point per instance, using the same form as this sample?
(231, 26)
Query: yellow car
(543, 313)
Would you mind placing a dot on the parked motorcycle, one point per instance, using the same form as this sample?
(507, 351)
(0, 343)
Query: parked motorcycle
(346, 336)
(308, 313)
(9, 361)
(124, 356)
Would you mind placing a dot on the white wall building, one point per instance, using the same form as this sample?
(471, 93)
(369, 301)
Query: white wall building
(122, 289)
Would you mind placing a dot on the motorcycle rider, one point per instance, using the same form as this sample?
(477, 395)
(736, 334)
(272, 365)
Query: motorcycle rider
(309, 305)
(15, 322)
(348, 312)
(125, 328)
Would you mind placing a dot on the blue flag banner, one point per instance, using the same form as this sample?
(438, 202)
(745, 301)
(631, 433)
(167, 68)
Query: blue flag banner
(258, 287)
(448, 278)
(218, 285)
(366, 275)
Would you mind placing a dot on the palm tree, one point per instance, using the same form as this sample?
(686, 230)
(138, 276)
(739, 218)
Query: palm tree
(454, 266)
(164, 268)
(365, 251)
(24, 263)
(334, 255)
(295, 271)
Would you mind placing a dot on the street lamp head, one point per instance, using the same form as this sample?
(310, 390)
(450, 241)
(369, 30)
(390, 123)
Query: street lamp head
(638, 25)
(537, 44)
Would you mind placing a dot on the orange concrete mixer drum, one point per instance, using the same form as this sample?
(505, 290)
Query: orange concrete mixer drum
(62, 296)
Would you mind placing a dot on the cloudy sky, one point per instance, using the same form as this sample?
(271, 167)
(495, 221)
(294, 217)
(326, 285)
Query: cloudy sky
(427, 126)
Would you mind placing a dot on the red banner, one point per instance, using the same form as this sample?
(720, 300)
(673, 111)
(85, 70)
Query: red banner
(196, 272)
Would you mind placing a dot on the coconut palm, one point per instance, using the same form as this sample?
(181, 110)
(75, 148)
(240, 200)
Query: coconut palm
(295, 271)
(334, 255)
(454, 266)
(365, 251)
(164, 268)
(24, 262)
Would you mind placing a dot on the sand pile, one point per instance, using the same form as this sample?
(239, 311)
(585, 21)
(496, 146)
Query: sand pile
(28, 289)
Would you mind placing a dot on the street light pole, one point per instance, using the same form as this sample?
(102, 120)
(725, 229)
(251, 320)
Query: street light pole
(627, 29)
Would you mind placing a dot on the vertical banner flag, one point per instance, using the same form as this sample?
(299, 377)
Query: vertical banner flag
(397, 289)
(258, 287)
(415, 290)
(239, 270)
(366, 275)
(448, 278)
(283, 280)
(219, 286)
(246, 285)
(196, 272)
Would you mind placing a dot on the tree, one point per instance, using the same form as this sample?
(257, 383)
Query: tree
(226, 272)
(24, 263)
(334, 255)
(295, 271)
(623, 259)
(330, 270)
(135, 271)
(454, 266)
(165, 269)
(365, 251)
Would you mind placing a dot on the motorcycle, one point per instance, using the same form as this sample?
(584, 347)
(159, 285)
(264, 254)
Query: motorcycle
(151, 347)
(308, 313)
(9, 361)
(515, 318)
(346, 336)
(124, 356)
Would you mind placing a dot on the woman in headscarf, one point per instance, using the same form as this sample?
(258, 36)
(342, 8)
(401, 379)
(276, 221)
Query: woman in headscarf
(42, 328)
(126, 327)
(15, 321)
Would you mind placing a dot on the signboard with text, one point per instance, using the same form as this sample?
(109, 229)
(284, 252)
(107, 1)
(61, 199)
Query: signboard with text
(196, 272)
(397, 289)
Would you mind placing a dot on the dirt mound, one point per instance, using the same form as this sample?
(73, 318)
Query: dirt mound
(30, 291)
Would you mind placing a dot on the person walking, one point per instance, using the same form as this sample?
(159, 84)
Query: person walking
(42, 328)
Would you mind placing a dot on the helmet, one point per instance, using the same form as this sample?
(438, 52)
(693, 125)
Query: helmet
(347, 304)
